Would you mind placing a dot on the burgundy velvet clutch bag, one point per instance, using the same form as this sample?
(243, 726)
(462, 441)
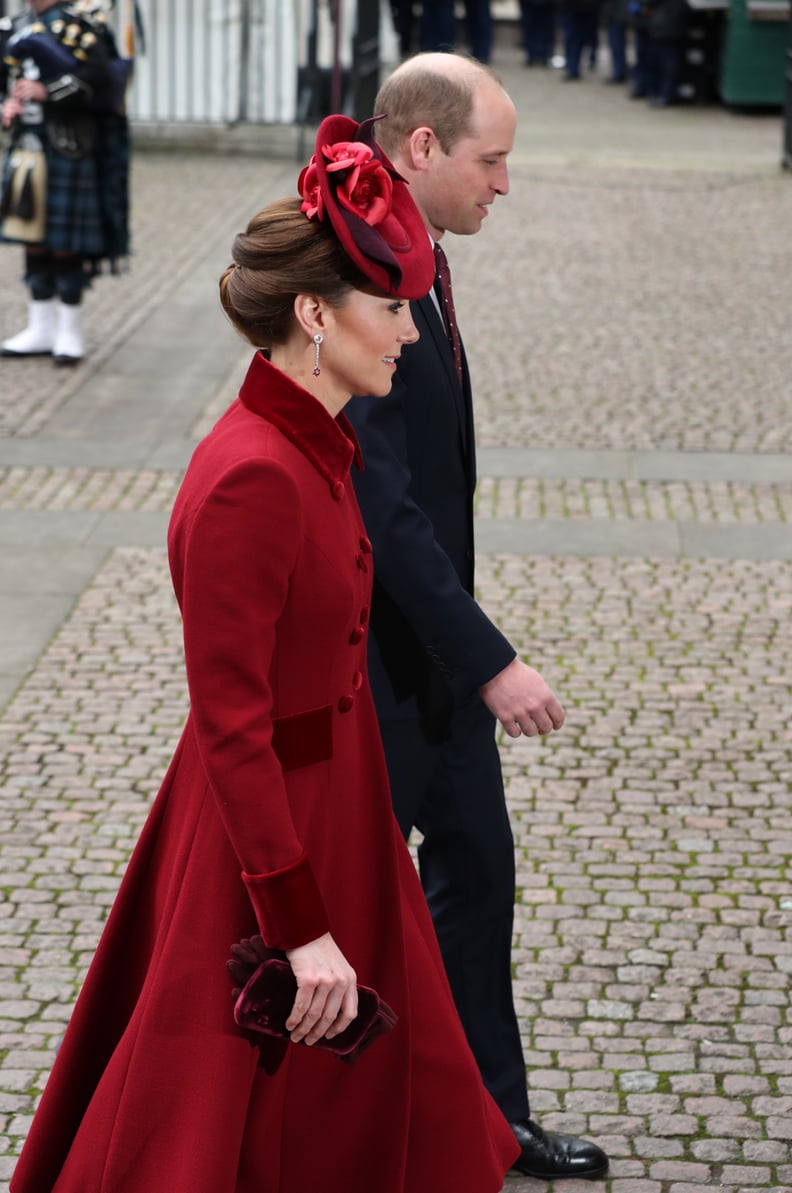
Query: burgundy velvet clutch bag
(263, 1004)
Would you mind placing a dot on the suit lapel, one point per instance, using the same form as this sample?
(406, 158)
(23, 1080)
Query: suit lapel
(460, 393)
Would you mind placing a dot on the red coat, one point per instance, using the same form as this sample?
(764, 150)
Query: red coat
(275, 814)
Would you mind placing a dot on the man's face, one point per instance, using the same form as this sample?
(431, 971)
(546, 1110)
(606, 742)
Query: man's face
(459, 187)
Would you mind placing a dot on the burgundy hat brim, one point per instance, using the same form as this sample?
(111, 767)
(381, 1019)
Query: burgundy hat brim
(395, 254)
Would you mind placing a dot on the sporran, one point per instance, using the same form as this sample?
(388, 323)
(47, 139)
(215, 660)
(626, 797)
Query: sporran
(23, 204)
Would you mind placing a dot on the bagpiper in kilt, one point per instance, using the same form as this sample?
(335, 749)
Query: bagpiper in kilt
(78, 219)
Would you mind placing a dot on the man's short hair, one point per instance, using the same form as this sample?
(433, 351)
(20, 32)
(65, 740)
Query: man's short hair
(421, 96)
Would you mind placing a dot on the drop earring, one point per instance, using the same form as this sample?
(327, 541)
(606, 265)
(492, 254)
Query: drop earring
(318, 341)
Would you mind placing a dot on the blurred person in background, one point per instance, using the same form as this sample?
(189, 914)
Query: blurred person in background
(614, 18)
(580, 29)
(538, 25)
(645, 74)
(478, 22)
(65, 172)
(667, 29)
(437, 25)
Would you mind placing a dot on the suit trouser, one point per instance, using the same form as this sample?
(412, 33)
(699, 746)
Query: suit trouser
(438, 25)
(617, 44)
(538, 31)
(453, 793)
(479, 28)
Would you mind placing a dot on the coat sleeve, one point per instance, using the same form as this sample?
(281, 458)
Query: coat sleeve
(234, 558)
(409, 563)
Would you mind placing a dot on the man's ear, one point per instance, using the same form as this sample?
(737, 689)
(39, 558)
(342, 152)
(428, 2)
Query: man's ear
(422, 145)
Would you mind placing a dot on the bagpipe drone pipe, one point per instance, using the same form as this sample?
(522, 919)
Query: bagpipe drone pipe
(61, 50)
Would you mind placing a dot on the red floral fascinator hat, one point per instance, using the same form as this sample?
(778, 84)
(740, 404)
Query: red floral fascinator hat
(350, 181)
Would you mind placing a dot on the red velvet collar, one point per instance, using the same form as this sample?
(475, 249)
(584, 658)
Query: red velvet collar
(329, 443)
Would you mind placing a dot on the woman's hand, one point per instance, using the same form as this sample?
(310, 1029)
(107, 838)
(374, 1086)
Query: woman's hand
(326, 1001)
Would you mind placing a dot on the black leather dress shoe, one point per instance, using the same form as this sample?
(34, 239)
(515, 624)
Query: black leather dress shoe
(551, 1157)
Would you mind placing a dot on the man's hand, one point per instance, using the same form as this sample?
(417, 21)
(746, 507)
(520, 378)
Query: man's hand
(522, 701)
(30, 89)
(11, 109)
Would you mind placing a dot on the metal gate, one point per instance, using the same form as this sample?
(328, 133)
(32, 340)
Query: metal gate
(247, 61)
(216, 62)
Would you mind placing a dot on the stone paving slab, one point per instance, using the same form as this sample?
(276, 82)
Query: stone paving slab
(568, 464)
(87, 488)
(722, 502)
(600, 536)
(654, 947)
(184, 209)
(606, 250)
(653, 950)
(80, 489)
(692, 354)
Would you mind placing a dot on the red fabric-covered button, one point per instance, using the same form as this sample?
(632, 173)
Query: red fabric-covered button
(357, 635)
(357, 680)
(364, 615)
(365, 544)
(361, 561)
(338, 490)
(345, 703)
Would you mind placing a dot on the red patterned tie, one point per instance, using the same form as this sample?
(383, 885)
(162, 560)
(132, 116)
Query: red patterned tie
(444, 278)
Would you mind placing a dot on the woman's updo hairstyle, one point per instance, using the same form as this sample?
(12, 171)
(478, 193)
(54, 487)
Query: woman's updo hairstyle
(282, 254)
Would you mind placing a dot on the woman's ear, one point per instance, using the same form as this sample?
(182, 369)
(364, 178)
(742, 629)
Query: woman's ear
(311, 314)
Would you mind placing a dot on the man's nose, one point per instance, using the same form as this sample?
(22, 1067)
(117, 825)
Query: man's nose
(501, 180)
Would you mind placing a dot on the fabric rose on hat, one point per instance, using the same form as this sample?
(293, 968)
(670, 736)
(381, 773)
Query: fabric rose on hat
(311, 191)
(351, 185)
(366, 190)
(363, 185)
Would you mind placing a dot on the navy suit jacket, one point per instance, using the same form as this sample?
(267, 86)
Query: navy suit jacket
(430, 643)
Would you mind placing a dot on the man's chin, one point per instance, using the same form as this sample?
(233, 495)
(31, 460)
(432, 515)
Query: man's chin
(469, 228)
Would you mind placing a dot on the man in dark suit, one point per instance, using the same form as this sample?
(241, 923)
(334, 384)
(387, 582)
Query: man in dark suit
(441, 671)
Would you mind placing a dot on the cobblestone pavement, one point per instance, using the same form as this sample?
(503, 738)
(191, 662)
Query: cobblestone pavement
(626, 312)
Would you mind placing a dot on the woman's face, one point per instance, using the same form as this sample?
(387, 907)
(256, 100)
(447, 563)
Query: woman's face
(362, 342)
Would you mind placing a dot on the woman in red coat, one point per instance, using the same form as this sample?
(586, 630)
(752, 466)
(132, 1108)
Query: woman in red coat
(275, 816)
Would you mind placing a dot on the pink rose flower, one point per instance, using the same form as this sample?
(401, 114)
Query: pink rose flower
(308, 186)
(344, 154)
(363, 185)
(367, 189)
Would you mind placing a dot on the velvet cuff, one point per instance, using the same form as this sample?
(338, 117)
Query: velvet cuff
(288, 905)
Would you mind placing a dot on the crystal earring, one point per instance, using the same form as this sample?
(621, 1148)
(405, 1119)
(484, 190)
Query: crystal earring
(318, 341)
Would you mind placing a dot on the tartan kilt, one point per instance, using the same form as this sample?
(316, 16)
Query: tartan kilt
(87, 196)
(113, 152)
